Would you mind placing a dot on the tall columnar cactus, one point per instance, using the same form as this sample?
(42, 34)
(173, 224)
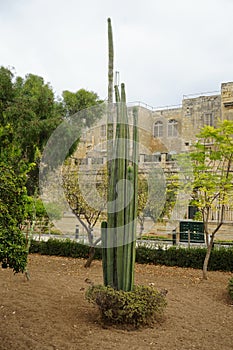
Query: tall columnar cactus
(119, 232)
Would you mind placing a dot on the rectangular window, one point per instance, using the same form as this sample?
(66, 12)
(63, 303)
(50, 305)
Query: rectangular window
(103, 131)
(208, 119)
(172, 128)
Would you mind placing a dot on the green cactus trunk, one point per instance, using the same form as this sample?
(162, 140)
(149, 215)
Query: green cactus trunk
(107, 241)
(119, 232)
(110, 62)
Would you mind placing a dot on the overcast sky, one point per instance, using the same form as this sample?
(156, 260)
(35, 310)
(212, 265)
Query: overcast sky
(163, 48)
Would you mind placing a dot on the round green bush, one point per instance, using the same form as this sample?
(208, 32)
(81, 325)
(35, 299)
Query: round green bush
(140, 307)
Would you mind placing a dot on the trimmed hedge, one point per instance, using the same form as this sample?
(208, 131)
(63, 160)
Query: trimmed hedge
(221, 258)
(65, 248)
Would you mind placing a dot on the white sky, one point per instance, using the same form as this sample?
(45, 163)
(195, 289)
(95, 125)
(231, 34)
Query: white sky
(163, 48)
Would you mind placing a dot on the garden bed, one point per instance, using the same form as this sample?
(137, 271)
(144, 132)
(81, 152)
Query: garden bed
(50, 310)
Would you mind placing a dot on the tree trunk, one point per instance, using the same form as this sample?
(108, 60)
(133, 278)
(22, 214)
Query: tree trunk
(91, 257)
(189, 238)
(141, 228)
(91, 253)
(207, 257)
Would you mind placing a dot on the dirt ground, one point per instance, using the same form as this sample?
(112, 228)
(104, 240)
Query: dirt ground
(50, 310)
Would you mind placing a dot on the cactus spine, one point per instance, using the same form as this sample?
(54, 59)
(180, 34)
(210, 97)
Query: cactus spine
(119, 232)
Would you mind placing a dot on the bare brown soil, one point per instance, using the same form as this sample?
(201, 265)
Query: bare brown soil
(50, 310)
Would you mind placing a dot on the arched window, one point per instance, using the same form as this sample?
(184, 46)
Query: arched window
(172, 128)
(158, 129)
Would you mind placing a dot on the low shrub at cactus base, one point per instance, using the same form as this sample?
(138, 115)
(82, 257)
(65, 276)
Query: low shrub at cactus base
(142, 306)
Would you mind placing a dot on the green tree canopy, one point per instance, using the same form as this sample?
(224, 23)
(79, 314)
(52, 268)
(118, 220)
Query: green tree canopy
(29, 113)
(74, 102)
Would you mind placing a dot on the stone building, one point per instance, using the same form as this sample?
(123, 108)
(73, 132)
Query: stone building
(163, 132)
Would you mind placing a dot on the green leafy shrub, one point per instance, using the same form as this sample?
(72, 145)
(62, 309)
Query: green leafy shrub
(13, 249)
(140, 307)
(13, 198)
(230, 287)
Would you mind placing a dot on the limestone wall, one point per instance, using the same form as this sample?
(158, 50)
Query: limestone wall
(227, 101)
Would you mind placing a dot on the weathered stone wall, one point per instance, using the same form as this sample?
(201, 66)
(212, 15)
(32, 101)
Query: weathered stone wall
(227, 101)
(173, 143)
(197, 112)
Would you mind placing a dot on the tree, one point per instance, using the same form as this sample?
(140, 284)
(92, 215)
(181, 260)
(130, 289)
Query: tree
(29, 106)
(213, 178)
(74, 102)
(28, 113)
(13, 194)
(158, 195)
(82, 203)
(82, 108)
(35, 114)
(142, 201)
(13, 198)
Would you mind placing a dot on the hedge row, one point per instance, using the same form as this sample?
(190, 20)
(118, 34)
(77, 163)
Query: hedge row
(221, 259)
(59, 247)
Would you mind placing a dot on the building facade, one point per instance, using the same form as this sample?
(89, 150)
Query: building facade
(163, 132)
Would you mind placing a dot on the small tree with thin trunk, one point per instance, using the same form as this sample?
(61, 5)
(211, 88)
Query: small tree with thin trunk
(213, 178)
(88, 212)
